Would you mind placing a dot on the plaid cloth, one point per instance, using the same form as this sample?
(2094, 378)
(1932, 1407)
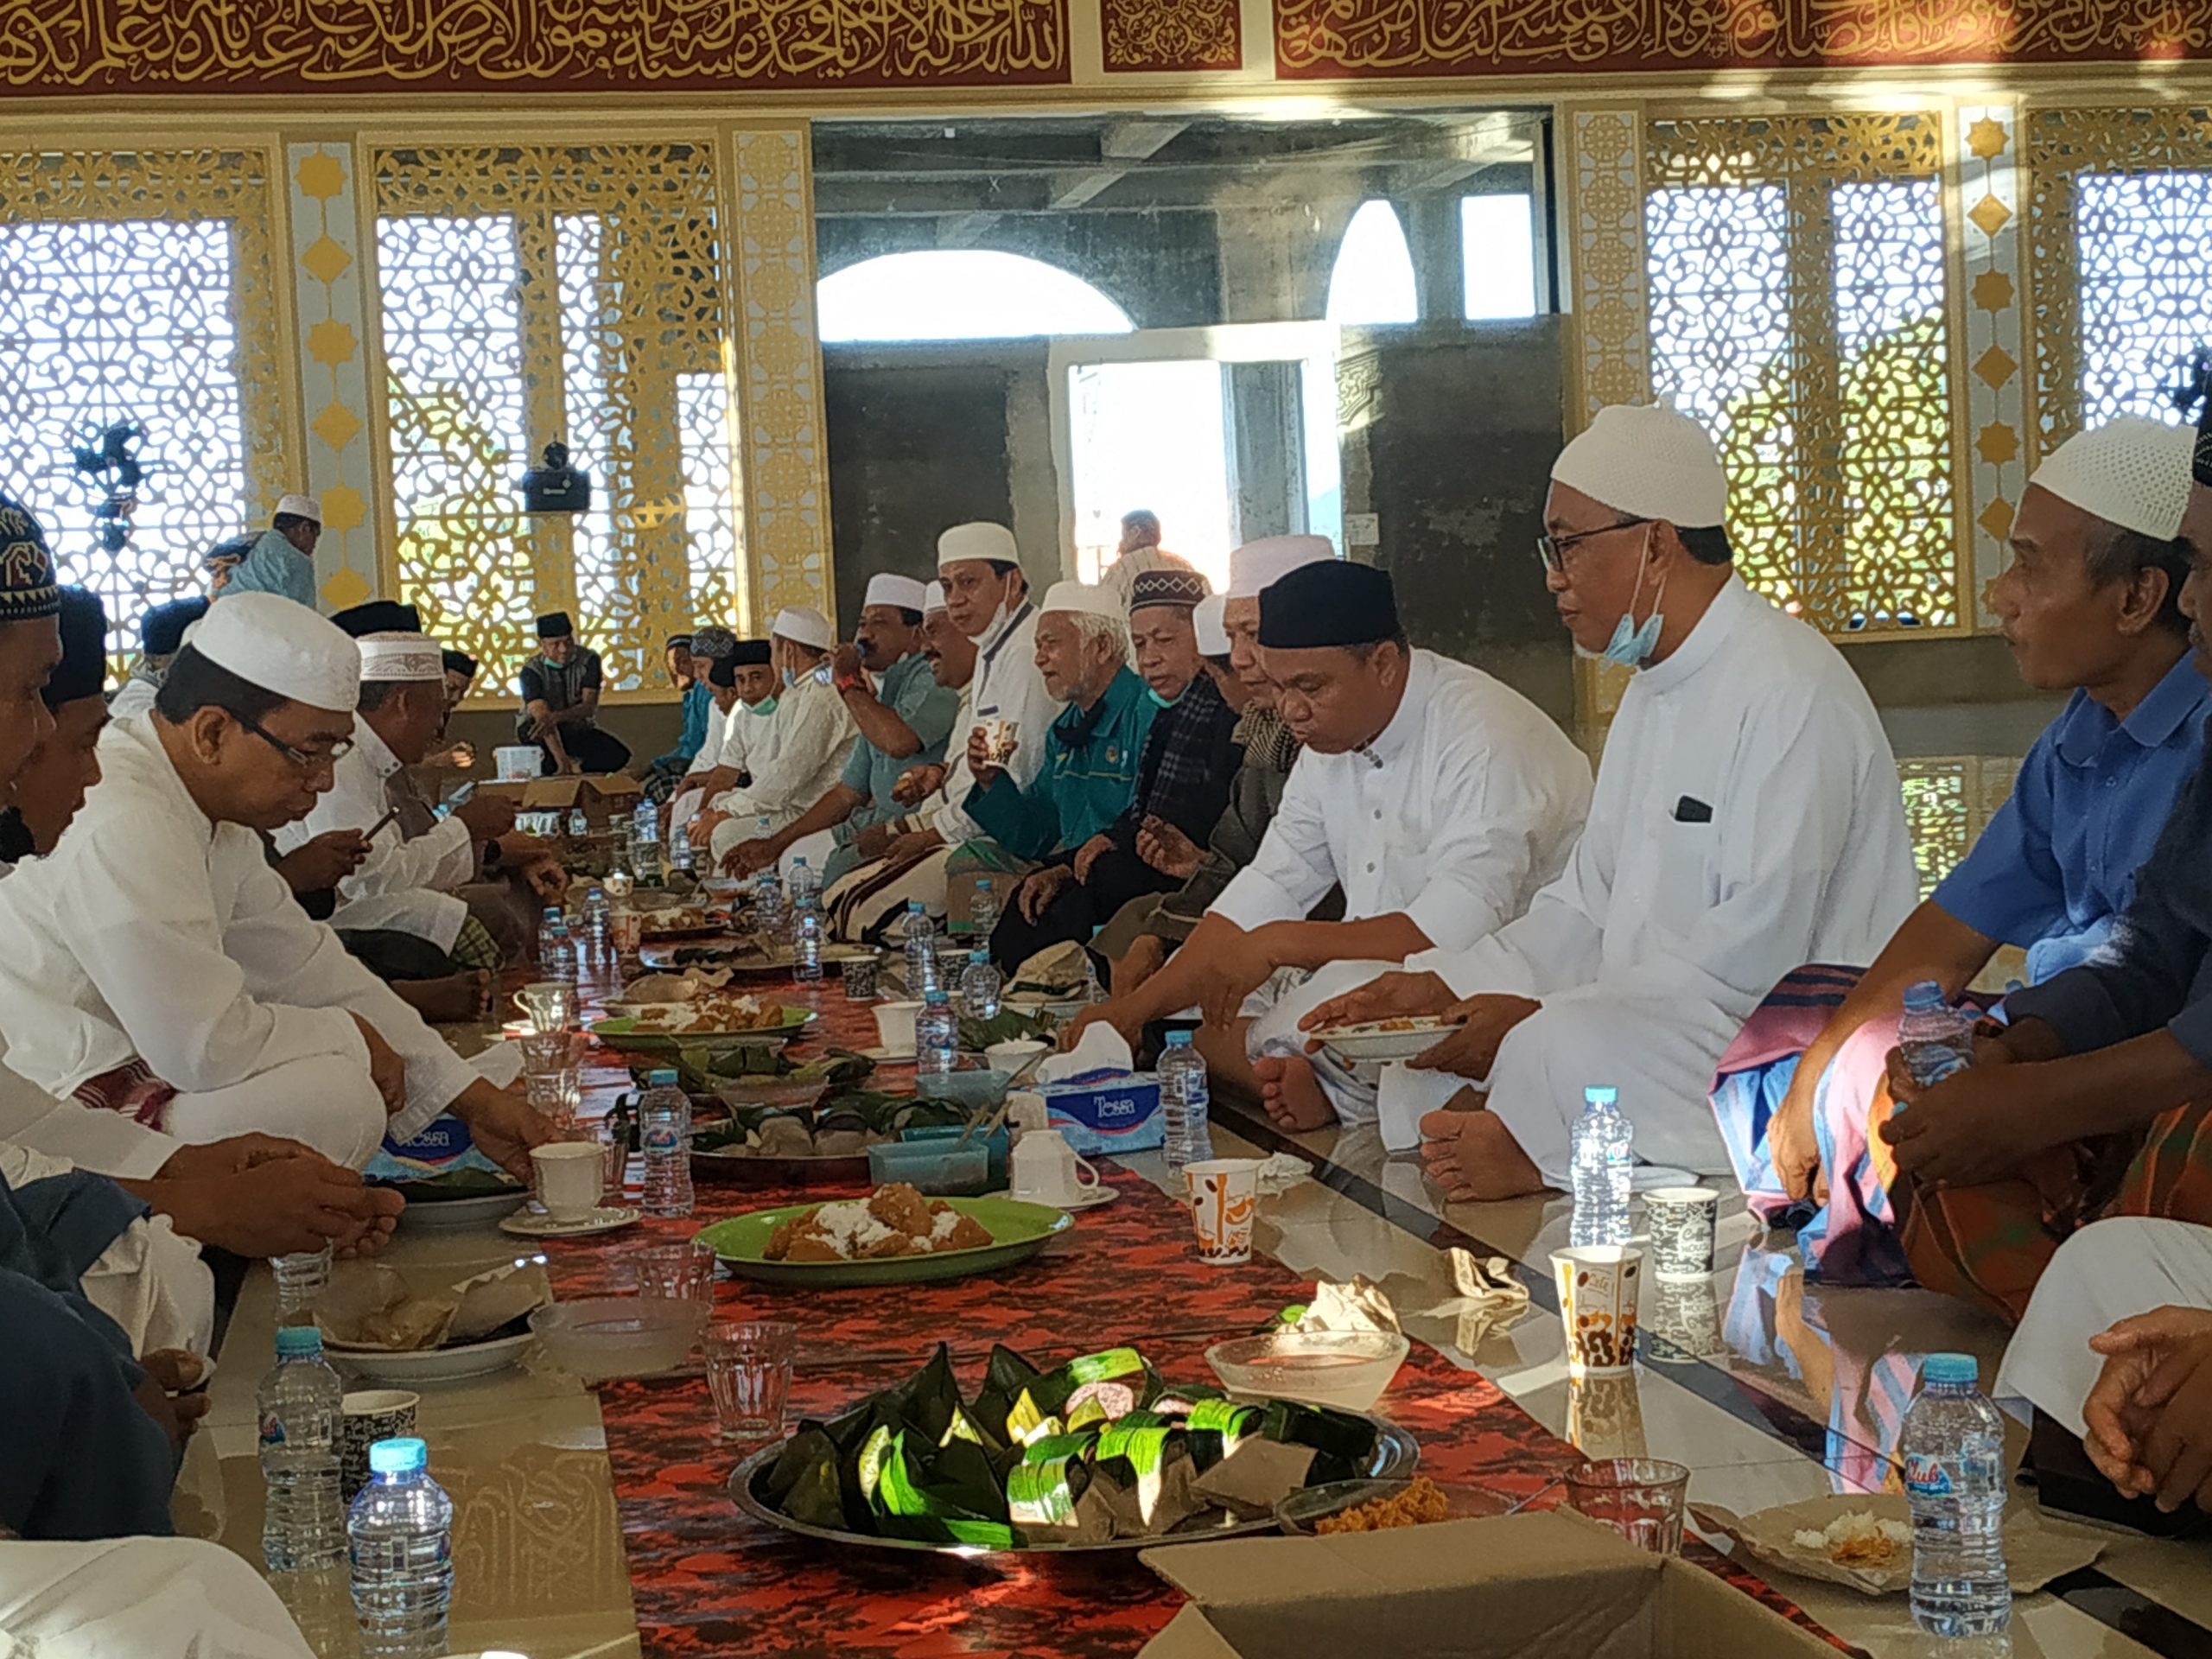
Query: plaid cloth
(132, 1089)
(473, 947)
(1190, 759)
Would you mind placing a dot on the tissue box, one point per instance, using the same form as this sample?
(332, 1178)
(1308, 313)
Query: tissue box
(1109, 1115)
(441, 1149)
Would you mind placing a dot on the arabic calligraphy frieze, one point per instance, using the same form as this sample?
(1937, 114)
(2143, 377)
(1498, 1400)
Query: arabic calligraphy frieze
(1328, 39)
(1138, 36)
(52, 46)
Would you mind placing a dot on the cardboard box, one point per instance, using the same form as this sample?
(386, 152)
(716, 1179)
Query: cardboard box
(604, 799)
(1116, 1115)
(1545, 1586)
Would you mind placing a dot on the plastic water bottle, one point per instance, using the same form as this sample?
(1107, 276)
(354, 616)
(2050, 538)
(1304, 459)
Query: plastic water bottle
(982, 911)
(801, 884)
(1185, 1103)
(768, 902)
(594, 921)
(683, 855)
(645, 843)
(1936, 1038)
(303, 1524)
(401, 1538)
(557, 952)
(664, 1137)
(578, 822)
(1602, 1164)
(979, 988)
(937, 1035)
(1954, 1450)
(921, 950)
(806, 939)
(300, 1280)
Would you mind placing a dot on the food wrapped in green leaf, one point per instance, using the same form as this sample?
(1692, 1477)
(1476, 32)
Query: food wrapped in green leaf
(1004, 1378)
(1342, 1442)
(1047, 1492)
(803, 1481)
(945, 1493)
(1088, 1376)
(1147, 1469)
(1216, 1427)
(1006, 1026)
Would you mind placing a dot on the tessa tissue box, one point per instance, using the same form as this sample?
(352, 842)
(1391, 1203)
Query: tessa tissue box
(1111, 1114)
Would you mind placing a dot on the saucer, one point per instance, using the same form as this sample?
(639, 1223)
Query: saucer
(887, 1056)
(1092, 1200)
(532, 1223)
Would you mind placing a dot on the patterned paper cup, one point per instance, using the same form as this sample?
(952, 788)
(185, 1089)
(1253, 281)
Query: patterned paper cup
(1680, 1221)
(1597, 1288)
(1224, 1198)
(366, 1418)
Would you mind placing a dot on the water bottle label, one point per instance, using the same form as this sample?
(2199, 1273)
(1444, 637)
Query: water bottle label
(661, 1138)
(1926, 1476)
(273, 1429)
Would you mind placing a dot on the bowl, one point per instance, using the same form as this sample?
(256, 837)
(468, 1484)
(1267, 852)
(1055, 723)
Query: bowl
(1348, 1369)
(1010, 1056)
(894, 1026)
(1297, 1514)
(600, 1338)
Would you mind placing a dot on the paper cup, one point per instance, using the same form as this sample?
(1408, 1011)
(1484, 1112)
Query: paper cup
(569, 1173)
(517, 763)
(1680, 1221)
(1224, 1199)
(1598, 1287)
(1605, 1416)
(894, 1026)
(363, 1419)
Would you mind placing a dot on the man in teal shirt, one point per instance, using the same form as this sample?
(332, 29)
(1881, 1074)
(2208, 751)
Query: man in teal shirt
(905, 718)
(1091, 753)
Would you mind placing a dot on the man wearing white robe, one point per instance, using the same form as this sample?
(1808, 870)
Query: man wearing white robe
(814, 735)
(164, 973)
(740, 728)
(1747, 819)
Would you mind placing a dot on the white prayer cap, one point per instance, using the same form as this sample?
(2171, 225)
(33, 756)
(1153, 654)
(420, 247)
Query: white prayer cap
(885, 589)
(802, 625)
(402, 657)
(2131, 472)
(1213, 638)
(300, 506)
(976, 541)
(270, 641)
(933, 598)
(1257, 565)
(1083, 600)
(1648, 463)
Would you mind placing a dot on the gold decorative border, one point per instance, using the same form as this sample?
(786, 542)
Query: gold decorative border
(1171, 37)
(1988, 312)
(331, 338)
(786, 481)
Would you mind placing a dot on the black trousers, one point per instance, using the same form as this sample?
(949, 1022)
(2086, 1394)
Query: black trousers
(1078, 910)
(588, 747)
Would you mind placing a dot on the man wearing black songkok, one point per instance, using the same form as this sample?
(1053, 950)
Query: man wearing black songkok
(560, 703)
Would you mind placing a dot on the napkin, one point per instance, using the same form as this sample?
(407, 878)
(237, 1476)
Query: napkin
(1099, 1051)
(1360, 1305)
(1279, 1172)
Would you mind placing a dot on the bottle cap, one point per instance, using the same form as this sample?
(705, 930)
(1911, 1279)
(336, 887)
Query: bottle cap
(913, 906)
(799, 863)
(1602, 1095)
(983, 884)
(297, 1341)
(398, 1457)
(978, 957)
(664, 1078)
(1179, 1039)
(1950, 1368)
(1923, 995)
(932, 998)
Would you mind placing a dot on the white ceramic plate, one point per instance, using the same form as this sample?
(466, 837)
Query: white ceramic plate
(887, 1056)
(438, 1365)
(536, 1223)
(1388, 1039)
(1097, 1197)
(450, 1215)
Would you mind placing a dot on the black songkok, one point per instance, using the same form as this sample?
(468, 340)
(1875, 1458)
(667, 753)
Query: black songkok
(377, 616)
(83, 669)
(554, 624)
(160, 631)
(457, 662)
(1332, 602)
(750, 653)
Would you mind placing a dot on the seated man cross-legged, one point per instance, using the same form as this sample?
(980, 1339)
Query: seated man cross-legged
(1747, 819)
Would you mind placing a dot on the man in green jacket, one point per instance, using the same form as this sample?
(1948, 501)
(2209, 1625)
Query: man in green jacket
(1091, 755)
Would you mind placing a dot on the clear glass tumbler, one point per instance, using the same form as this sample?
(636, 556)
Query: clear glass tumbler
(1641, 1498)
(749, 1374)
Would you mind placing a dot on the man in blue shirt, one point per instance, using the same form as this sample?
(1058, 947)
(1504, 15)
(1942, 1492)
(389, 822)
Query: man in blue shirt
(695, 698)
(905, 718)
(2090, 604)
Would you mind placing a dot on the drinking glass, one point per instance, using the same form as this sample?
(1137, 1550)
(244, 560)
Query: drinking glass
(749, 1374)
(615, 1150)
(680, 1272)
(1641, 1498)
(556, 1094)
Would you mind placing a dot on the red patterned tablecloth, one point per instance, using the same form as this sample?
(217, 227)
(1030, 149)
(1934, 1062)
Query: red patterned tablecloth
(707, 1580)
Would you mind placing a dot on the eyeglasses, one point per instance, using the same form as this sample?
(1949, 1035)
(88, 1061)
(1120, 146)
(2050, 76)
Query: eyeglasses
(1553, 549)
(305, 760)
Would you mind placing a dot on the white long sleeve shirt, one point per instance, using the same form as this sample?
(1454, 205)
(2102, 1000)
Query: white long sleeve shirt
(1747, 821)
(404, 884)
(152, 933)
(1007, 685)
(1466, 805)
(813, 734)
(749, 739)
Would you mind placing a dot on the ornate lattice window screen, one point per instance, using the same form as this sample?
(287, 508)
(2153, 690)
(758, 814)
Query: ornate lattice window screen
(2120, 227)
(167, 316)
(543, 292)
(1797, 270)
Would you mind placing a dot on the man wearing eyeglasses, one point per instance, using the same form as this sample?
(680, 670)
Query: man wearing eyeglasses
(160, 972)
(1747, 819)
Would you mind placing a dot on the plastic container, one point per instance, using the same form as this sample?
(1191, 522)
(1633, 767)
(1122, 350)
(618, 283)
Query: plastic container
(938, 1168)
(1185, 1102)
(1953, 1447)
(1348, 1369)
(937, 1036)
(301, 1407)
(603, 1337)
(920, 951)
(979, 988)
(665, 1138)
(1935, 1037)
(1602, 1165)
(401, 1538)
(998, 1145)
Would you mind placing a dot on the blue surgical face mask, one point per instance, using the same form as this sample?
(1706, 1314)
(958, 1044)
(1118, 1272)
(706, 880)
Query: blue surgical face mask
(1631, 646)
(789, 678)
(1159, 702)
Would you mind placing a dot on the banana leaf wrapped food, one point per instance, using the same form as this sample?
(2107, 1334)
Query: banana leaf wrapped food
(1099, 1448)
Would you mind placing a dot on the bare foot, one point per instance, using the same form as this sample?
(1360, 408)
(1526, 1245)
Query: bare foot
(455, 1000)
(1292, 1094)
(1473, 1155)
